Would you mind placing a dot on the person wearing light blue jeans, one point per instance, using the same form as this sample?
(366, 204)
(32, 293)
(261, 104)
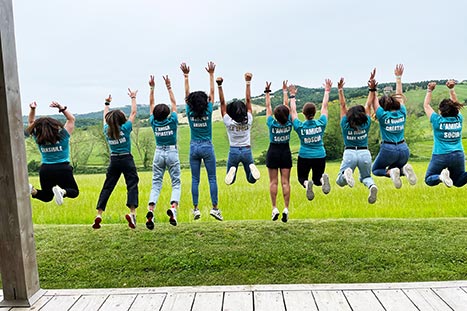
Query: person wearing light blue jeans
(199, 113)
(447, 163)
(164, 125)
(355, 125)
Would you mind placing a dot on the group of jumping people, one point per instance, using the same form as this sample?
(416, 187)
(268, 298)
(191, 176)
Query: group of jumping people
(447, 164)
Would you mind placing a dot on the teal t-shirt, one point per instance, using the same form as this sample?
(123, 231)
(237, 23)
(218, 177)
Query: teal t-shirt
(278, 133)
(58, 152)
(447, 133)
(391, 124)
(355, 138)
(123, 143)
(201, 127)
(311, 134)
(165, 131)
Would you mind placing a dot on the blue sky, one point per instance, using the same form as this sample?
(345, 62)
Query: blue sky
(78, 52)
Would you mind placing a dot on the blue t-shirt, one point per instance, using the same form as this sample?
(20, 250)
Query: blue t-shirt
(391, 124)
(200, 128)
(447, 133)
(165, 131)
(278, 133)
(123, 143)
(355, 138)
(311, 134)
(58, 152)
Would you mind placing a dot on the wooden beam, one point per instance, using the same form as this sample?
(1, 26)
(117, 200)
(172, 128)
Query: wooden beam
(18, 265)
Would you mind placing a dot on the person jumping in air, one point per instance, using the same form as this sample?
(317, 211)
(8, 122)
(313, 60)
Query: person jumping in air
(53, 139)
(278, 156)
(394, 153)
(238, 119)
(164, 122)
(447, 164)
(311, 155)
(355, 125)
(117, 129)
(199, 113)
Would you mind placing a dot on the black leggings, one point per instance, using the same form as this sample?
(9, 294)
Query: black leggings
(316, 166)
(60, 174)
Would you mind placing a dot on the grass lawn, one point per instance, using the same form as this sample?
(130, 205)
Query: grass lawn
(253, 252)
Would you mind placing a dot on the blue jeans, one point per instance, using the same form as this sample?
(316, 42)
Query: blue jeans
(454, 162)
(390, 156)
(241, 155)
(165, 157)
(203, 150)
(356, 158)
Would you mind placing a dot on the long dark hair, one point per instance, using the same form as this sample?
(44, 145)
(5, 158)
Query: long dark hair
(281, 113)
(160, 112)
(389, 103)
(46, 130)
(198, 103)
(356, 116)
(237, 111)
(115, 119)
(449, 108)
(309, 110)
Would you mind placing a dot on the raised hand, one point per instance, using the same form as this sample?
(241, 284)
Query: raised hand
(55, 104)
(33, 105)
(431, 86)
(327, 85)
(219, 81)
(372, 84)
(151, 81)
(373, 74)
(108, 99)
(267, 89)
(185, 68)
(210, 68)
(292, 90)
(399, 70)
(451, 84)
(131, 93)
(340, 84)
(248, 76)
(167, 81)
(284, 85)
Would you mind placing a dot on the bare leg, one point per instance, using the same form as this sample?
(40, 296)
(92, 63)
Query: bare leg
(273, 175)
(285, 181)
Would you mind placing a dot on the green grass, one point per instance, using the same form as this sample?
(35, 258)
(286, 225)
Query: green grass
(252, 252)
(244, 201)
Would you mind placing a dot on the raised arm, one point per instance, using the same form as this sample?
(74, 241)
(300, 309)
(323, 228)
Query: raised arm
(70, 119)
(340, 90)
(210, 69)
(173, 102)
(327, 89)
(426, 104)
(108, 100)
(219, 81)
(398, 73)
(32, 113)
(284, 93)
(452, 93)
(248, 77)
(132, 95)
(371, 92)
(186, 71)
(372, 86)
(293, 103)
(267, 90)
(152, 85)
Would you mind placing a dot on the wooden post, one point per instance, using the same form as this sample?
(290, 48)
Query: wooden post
(18, 265)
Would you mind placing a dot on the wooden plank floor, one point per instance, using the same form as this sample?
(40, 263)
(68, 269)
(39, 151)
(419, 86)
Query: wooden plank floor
(425, 296)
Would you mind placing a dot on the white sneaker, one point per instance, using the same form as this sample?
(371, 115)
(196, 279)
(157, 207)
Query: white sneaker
(196, 214)
(348, 176)
(172, 213)
(216, 213)
(254, 171)
(275, 214)
(326, 186)
(229, 178)
(409, 173)
(285, 215)
(310, 195)
(373, 194)
(445, 178)
(395, 175)
(58, 193)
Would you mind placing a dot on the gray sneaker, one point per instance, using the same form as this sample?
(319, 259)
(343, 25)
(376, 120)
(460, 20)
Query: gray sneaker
(196, 214)
(409, 173)
(445, 178)
(58, 193)
(216, 213)
(326, 185)
(395, 175)
(310, 195)
(348, 176)
(373, 194)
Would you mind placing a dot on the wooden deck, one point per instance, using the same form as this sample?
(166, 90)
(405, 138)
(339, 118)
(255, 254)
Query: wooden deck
(333, 297)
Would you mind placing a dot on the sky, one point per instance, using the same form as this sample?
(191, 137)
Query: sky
(78, 52)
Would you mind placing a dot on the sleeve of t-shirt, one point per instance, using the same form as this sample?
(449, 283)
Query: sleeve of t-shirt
(269, 121)
(434, 119)
(104, 129)
(323, 119)
(227, 120)
(210, 108)
(174, 117)
(64, 133)
(343, 121)
(151, 121)
(128, 126)
(403, 109)
(380, 112)
(250, 118)
(297, 124)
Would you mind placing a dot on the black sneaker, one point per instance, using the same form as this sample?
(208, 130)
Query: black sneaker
(150, 220)
(285, 216)
(172, 213)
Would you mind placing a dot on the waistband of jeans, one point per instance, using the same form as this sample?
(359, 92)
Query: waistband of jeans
(201, 141)
(240, 147)
(167, 147)
(356, 147)
(393, 143)
(119, 154)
